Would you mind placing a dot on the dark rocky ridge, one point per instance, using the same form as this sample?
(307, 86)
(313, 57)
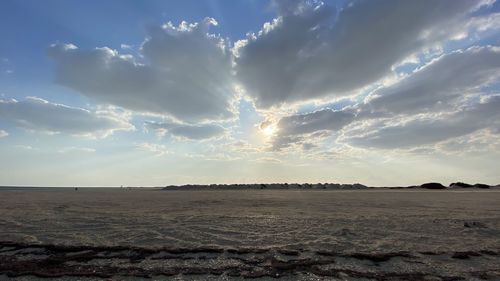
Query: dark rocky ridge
(318, 186)
(466, 185)
(433, 185)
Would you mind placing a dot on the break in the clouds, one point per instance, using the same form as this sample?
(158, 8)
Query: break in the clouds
(187, 131)
(312, 51)
(185, 72)
(37, 114)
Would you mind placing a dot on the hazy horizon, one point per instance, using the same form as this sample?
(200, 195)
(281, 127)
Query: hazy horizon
(155, 93)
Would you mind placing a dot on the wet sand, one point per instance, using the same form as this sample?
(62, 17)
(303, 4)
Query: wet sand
(294, 234)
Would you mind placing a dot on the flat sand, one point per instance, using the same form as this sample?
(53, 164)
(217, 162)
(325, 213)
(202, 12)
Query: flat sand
(297, 234)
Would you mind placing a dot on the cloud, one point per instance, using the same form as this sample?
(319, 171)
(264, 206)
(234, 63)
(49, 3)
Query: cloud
(443, 87)
(326, 119)
(311, 51)
(268, 160)
(3, 134)
(71, 149)
(5, 66)
(478, 142)
(157, 149)
(429, 129)
(25, 147)
(125, 46)
(187, 131)
(440, 82)
(241, 147)
(290, 7)
(38, 114)
(186, 73)
(306, 128)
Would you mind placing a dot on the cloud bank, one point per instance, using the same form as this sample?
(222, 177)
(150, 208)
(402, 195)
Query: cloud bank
(312, 51)
(424, 130)
(444, 99)
(40, 115)
(440, 83)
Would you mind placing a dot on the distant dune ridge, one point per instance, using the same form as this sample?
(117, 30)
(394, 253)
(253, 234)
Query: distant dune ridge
(430, 185)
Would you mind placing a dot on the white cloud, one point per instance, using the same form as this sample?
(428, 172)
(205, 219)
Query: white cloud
(187, 131)
(71, 149)
(25, 147)
(186, 73)
(40, 115)
(310, 51)
(3, 134)
(481, 141)
(125, 46)
(268, 160)
(157, 149)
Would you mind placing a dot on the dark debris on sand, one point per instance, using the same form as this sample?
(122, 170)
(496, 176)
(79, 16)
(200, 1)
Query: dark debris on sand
(48, 261)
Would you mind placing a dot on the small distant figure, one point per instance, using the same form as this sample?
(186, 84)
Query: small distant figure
(76, 188)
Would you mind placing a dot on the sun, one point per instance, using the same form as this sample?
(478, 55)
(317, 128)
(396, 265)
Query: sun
(269, 130)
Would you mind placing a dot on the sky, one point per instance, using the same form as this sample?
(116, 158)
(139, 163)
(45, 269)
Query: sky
(154, 93)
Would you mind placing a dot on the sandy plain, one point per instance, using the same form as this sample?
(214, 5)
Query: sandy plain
(93, 234)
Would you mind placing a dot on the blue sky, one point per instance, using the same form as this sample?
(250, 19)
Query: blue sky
(171, 92)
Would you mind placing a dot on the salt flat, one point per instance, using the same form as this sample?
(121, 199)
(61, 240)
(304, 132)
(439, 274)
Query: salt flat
(303, 234)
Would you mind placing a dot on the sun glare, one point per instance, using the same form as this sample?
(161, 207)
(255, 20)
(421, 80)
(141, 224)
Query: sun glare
(269, 131)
